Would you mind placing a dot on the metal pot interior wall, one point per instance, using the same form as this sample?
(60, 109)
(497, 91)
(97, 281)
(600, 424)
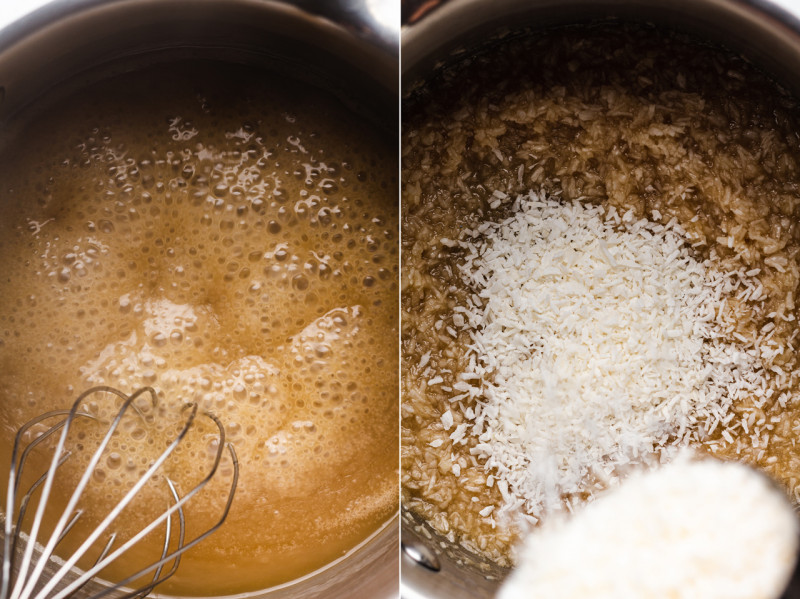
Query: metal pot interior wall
(764, 31)
(66, 45)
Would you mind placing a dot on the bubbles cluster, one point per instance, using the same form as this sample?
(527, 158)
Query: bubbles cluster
(236, 248)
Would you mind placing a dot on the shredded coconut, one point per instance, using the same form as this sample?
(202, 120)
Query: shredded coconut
(707, 529)
(599, 340)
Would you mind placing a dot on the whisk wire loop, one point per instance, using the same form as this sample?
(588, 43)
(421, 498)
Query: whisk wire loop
(25, 591)
(15, 473)
(27, 559)
(157, 521)
(27, 580)
(114, 513)
(186, 546)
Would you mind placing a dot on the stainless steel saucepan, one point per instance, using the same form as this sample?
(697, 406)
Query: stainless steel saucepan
(436, 33)
(349, 47)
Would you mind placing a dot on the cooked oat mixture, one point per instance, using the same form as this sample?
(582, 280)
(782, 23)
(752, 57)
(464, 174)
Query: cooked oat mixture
(637, 122)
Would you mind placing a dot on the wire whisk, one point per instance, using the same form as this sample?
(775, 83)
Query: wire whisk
(32, 568)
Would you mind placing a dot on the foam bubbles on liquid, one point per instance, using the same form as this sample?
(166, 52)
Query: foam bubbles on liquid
(224, 255)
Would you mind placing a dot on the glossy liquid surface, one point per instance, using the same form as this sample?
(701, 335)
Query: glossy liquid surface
(227, 237)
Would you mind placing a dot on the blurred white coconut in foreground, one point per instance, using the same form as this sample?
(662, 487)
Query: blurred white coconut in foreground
(701, 529)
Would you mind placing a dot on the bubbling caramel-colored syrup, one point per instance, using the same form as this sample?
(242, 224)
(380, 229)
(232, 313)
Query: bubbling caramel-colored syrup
(228, 237)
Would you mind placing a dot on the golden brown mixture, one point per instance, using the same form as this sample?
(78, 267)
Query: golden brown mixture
(625, 117)
(230, 238)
